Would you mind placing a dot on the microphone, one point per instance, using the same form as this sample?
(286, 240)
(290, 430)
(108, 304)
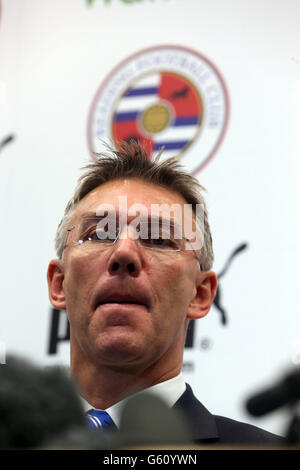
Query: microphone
(285, 392)
(147, 420)
(37, 405)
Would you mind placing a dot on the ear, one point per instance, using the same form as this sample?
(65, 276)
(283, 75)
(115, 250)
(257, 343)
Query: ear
(55, 277)
(206, 288)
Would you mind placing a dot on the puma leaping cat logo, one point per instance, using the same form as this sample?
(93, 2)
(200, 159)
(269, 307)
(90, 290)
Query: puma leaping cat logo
(217, 300)
(6, 141)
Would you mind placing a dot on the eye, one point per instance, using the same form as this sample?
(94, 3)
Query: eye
(161, 243)
(97, 235)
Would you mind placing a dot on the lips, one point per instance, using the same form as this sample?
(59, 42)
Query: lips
(121, 298)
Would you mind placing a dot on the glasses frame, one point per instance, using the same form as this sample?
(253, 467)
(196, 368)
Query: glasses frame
(70, 229)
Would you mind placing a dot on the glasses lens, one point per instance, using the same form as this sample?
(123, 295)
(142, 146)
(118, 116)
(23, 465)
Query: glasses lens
(160, 235)
(157, 234)
(96, 231)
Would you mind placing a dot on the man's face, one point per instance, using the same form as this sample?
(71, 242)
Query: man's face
(129, 306)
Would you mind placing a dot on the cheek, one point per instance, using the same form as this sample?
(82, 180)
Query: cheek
(175, 286)
(79, 275)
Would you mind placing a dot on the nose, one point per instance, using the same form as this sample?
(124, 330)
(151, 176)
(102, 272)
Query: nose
(125, 258)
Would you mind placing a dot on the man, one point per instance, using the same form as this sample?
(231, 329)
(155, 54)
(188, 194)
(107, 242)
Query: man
(134, 267)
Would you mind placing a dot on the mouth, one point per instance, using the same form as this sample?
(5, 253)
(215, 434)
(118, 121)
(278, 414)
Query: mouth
(121, 299)
(121, 302)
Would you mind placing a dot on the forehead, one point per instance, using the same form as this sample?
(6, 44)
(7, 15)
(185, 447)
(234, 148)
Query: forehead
(134, 190)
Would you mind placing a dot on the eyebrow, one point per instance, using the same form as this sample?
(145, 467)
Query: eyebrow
(150, 218)
(89, 215)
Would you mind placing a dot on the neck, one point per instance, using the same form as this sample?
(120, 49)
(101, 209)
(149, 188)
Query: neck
(102, 386)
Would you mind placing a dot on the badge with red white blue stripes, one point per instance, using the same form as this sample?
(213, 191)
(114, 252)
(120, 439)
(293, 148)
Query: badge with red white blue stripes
(166, 97)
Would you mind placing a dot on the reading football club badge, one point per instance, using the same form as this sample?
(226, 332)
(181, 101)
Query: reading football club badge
(166, 97)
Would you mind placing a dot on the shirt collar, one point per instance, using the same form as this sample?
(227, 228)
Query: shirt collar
(169, 391)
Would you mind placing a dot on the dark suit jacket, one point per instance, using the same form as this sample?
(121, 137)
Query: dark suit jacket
(207, 428)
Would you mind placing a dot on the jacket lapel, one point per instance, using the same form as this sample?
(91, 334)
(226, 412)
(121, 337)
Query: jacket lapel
(202, 422)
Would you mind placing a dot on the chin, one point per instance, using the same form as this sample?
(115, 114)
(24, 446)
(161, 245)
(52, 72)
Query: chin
(121, 348)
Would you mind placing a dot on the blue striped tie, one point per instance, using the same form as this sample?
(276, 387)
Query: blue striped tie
(98, 419)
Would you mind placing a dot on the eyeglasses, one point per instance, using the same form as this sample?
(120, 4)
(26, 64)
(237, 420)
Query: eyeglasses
(159, 235)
